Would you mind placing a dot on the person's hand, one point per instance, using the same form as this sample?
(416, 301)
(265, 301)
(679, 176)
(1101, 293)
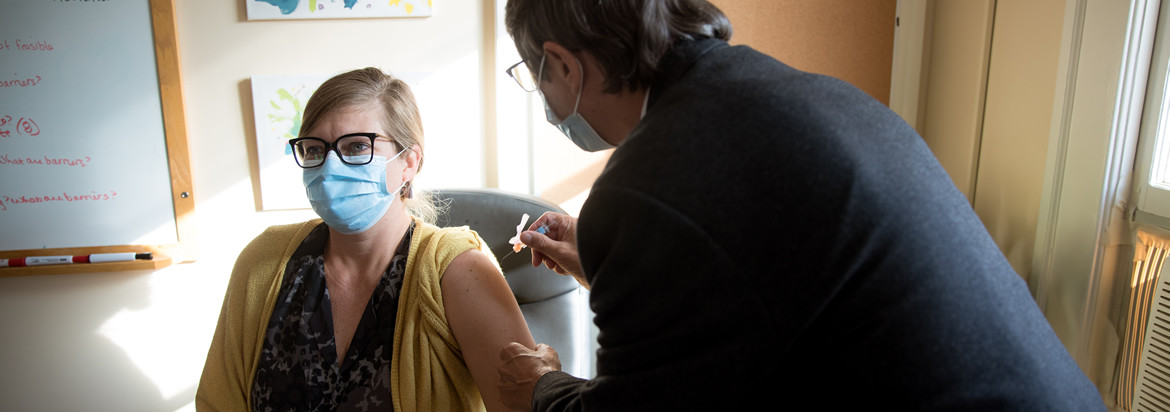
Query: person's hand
(557, 248)
(520, 368)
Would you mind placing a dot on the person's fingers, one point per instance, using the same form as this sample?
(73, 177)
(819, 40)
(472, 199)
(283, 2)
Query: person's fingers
(547, 248)
(549, 354)
(545, 219)
(537, 255)
(552, 264)
(558, 225)
(513, 350)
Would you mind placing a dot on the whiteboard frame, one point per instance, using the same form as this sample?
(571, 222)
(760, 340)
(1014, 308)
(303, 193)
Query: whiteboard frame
(166, 51)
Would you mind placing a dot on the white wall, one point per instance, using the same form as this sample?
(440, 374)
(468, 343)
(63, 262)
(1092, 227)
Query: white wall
(137, 340)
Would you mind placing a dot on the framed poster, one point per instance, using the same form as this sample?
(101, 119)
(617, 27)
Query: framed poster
(277, 104)
(336, 9)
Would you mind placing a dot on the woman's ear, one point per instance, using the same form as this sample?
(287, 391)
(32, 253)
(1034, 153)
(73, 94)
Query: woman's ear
(413, 158)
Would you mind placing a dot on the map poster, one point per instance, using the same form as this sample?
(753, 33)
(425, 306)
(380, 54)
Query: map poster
(336, 9)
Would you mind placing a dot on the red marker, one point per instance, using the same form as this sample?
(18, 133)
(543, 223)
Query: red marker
(67, 259)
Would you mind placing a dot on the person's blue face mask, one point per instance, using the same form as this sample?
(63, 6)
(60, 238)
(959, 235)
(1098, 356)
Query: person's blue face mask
(350, 199)
(575, 127)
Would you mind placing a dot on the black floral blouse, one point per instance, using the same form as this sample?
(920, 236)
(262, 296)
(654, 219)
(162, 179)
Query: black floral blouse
(298, 367)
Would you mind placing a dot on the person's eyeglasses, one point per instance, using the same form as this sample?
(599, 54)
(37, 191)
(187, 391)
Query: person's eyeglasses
(523, 76)
(354, 149)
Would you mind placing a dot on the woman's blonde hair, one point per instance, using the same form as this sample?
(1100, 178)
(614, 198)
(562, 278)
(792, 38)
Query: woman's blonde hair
(367, 89)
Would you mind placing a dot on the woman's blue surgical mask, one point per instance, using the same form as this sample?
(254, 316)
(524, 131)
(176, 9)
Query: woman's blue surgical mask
(575, 126)
(350, 199)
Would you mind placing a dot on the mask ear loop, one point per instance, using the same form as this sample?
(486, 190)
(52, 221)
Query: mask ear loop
(540, 74)
(580, 88)
(404, 191)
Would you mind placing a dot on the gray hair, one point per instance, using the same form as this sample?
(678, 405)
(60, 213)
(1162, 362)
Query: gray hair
(627, 37)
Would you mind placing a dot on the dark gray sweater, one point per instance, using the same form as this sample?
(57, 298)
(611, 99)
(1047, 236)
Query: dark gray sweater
(769, 236)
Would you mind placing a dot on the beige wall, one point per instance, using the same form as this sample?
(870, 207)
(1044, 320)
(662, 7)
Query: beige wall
(848, 39)
(992, 78)
(956, 83)
(1021, 85)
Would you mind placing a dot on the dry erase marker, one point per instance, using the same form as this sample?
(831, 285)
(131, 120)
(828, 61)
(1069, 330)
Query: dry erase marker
(67, 260)
(112, 257)
(47, 260)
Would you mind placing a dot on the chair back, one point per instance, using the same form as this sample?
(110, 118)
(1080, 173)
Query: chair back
(555, 307)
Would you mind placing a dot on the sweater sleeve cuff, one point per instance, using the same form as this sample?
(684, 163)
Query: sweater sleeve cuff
(556, 391)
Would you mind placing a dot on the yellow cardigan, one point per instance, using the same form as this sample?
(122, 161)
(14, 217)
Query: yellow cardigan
(427, 370)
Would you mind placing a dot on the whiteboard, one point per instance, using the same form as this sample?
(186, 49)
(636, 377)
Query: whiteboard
(84, 159)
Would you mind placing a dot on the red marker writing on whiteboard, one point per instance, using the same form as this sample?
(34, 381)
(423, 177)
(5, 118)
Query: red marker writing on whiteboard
(67, 259)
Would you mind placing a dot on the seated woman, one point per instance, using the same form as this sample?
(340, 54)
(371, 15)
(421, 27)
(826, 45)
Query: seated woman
(371, 306)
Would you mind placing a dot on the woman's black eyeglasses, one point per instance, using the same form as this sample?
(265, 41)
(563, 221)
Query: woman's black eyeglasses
(354, 149)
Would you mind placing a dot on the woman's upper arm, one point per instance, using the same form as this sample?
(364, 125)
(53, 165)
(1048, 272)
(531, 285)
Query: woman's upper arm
(483, 316)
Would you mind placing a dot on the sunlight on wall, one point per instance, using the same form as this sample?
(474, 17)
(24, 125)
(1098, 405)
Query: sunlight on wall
(149, 334)
(562, 170)
(514, 108)
(573, 205)
(450, 102)
(166, 336)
